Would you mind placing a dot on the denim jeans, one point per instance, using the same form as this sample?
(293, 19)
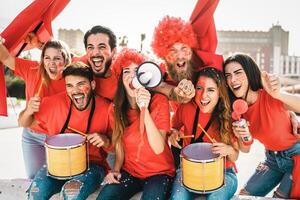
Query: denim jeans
(179, 192)
(154, 187)
(33, 151)
(276, 169)
(79, 187)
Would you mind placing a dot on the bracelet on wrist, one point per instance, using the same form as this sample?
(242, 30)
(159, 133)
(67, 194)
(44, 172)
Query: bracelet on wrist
(248, 140)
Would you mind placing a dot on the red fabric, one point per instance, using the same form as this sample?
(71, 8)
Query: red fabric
(29, 72)
(3, 103)
(16, 32)
(28, 19)
(107, 87)
(273, 129)
(53, 120)
(140, 160)
(295, 192)
(204, 27)
(184, 118)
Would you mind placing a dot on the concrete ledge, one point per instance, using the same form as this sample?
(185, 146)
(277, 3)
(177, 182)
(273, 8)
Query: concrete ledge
(15, 189)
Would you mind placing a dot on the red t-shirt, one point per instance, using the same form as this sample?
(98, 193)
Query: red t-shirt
(54, 119)
(140, 160)
(270, 123)
(107, 87)
(184, 117)
(29, 71)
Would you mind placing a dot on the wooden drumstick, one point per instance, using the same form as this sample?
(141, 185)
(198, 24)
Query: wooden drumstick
(40, 88)
(211, 139)
(186, 136)
(77, 131)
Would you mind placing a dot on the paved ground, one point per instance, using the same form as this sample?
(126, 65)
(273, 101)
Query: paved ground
(12, 166)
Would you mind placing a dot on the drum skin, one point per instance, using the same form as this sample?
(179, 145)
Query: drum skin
(202, 171)
(66, 155)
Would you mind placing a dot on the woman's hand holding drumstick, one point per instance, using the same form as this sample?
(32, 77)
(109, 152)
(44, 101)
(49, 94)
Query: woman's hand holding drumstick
(175, 136)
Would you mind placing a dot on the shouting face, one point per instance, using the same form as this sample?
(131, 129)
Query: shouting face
(207, 94)
(53, 63)
(179, 62)
(99, 53)
(236, 79)
(128, 74)
(79, 89)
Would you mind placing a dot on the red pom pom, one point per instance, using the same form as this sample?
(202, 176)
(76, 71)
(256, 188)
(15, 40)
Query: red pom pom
(240, 106)
(235, 116)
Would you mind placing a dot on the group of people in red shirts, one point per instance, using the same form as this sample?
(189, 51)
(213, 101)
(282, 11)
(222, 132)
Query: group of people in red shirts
(94, 94)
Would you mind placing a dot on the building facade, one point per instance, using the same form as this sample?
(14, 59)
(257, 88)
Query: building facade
(74, 38)
(268, 48)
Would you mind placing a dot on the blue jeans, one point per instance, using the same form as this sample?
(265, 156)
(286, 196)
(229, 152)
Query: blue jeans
(33, 151)
(79, 187)
(154, 187)
(179, 192)
(276, 169)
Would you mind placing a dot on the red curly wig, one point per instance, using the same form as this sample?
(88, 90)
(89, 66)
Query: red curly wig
(169, 31)
(125, 58)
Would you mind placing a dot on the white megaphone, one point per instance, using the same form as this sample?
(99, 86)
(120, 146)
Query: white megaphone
(148, 75)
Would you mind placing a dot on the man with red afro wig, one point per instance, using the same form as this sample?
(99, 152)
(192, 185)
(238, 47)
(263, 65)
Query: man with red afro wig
(186, 47)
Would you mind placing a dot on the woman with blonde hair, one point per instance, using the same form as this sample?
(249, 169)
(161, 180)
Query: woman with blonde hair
(42, 79)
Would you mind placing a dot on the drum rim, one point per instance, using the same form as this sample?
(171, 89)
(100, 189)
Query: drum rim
(200, 161)
(66, 177)
(204, 191)
(183, 155)
(64, 147)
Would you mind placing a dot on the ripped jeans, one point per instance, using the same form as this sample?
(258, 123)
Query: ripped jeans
(276, 169)
(79, 187)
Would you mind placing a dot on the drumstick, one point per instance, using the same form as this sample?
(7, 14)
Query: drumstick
(40, 88)
(211, 139)
(77, 131)
(186, 136)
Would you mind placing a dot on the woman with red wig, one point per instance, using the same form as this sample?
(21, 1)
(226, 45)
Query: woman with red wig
(143, 158)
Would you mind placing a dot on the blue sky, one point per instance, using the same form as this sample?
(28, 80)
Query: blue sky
(133, 17)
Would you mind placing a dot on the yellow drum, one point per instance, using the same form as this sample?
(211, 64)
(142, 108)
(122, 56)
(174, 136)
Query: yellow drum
(66, 155)
(202, 171)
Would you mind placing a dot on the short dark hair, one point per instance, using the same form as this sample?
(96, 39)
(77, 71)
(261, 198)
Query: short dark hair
(251, 69)
(104, 30)
(78, 69)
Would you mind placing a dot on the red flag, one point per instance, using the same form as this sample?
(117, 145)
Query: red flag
(204, 26)
(37, 17)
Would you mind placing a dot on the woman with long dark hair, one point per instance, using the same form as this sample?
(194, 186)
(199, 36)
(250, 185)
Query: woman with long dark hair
(270, 123)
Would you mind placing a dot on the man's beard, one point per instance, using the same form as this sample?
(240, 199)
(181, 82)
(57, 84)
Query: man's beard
(106, 67)
(178, 76)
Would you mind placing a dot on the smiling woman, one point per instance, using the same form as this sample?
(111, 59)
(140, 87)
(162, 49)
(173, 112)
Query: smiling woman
(41, 80)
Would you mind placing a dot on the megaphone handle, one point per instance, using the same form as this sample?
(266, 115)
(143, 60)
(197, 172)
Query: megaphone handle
(142, 119)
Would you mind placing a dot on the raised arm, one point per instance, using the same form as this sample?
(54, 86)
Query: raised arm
(5, 57)
(271, 84)
(156, 137)
(182, 93)
(26, 117)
